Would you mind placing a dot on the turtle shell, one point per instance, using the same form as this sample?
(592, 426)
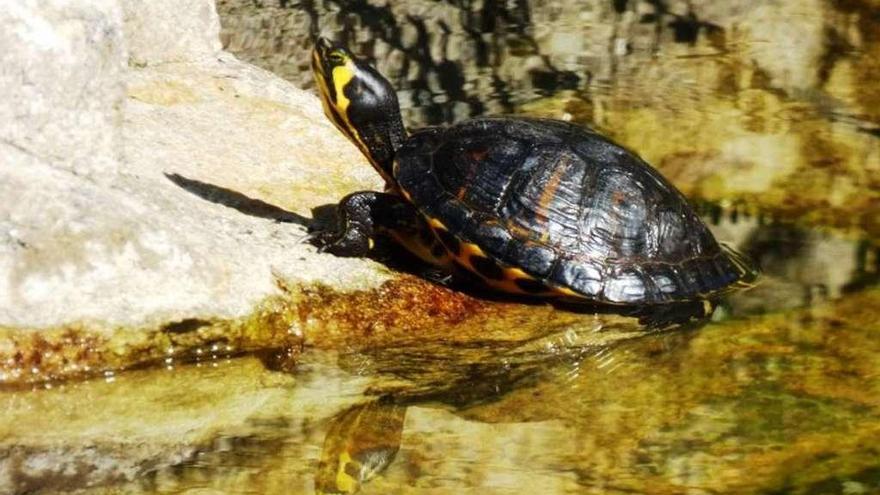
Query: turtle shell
(547, 207)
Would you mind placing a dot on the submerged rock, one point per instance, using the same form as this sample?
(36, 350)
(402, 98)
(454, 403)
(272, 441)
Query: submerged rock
(120, 428)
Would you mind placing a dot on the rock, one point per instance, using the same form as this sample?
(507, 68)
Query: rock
(143, 243)
(157, 32)
(62, 85)
(138, 199)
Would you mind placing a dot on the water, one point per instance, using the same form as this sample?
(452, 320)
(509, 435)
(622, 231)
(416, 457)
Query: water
(765, 115)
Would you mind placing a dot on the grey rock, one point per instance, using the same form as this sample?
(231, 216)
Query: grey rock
(165, 31)
(61, 83)
(137, 196)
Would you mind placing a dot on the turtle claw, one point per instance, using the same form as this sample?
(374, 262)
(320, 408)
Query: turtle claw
(321, 239)
(350, 243)
(438, 276)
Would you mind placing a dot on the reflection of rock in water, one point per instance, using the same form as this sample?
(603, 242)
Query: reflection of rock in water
(800, 267)
(469, 57)
(450, 59)
(447, 59)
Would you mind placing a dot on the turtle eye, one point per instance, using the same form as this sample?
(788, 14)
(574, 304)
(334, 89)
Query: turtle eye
(336, 57)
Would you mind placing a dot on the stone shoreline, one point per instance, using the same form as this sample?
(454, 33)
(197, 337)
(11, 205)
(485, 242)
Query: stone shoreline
(152, 179)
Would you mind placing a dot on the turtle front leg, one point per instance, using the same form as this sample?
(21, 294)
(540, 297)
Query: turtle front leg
(361, 216)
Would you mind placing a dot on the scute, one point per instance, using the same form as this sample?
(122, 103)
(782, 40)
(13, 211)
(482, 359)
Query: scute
(584, 277)
(566, 206)
(625, 287)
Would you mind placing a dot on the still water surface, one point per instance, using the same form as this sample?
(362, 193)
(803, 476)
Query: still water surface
(766, 115)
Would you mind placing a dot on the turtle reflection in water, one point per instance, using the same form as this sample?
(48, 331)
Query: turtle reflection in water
(525, 206)
(360, 443)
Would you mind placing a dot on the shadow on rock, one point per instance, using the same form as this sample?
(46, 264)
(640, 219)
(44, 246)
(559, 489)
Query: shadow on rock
(237, 201)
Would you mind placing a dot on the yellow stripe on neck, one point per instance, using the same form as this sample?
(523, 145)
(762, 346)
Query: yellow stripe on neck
(342, 77)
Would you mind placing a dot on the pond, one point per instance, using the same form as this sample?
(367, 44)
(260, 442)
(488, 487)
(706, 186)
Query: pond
(767, 116)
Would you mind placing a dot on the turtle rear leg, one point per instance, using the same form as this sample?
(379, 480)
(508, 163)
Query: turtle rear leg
(679, 314)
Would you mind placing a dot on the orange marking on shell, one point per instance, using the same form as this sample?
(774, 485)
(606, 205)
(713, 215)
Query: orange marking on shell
(565, 291)
(519, 230)
(552, 186)
(508, 286)
(511, 274)
(415, 245)
(515, 273)
(472, 250)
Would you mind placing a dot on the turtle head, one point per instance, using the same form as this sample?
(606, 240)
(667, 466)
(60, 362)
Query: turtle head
(360, 102)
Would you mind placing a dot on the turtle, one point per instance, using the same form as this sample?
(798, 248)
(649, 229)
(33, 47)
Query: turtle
(526, 206)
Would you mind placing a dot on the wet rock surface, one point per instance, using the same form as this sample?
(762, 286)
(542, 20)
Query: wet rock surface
(92, 433)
